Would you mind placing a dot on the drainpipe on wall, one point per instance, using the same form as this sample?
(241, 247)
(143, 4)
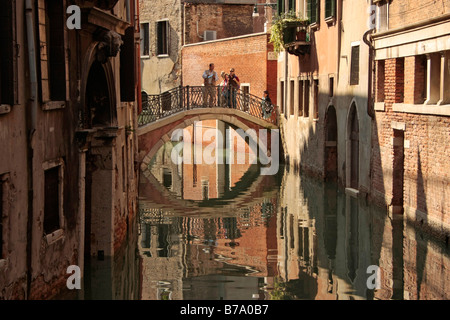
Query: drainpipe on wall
(32, 129)
(371, 74)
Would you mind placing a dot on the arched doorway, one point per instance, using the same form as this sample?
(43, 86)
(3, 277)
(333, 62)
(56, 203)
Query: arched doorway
(99, 100)
(100, 115)
(353, 149)
(331, 145)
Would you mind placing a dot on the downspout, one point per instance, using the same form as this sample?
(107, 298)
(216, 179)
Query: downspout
(32, 129)
(137, 27)
(339, 36)
(371, 74)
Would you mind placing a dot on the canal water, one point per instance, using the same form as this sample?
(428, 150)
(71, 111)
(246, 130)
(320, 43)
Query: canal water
(224, 231)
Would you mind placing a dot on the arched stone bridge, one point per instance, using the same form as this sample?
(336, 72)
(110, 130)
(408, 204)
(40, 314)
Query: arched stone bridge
(181, 107)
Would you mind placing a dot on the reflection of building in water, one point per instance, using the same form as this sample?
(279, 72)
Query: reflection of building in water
(208, 174)
(323, 251)
(178, 251)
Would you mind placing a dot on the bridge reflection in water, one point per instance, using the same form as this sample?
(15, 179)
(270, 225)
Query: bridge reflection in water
(223, 231)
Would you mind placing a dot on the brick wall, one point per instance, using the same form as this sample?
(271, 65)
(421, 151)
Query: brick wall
(415, 79)
(404, 12)
(227, 20)
(248, 55)
(426, 166)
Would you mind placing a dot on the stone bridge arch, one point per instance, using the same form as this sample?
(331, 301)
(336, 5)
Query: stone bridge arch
(152, 136)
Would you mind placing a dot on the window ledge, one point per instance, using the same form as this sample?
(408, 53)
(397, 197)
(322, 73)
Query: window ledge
(54, 105)
(330, 20)
(352, 192)
(314, 26)
(54, 236)
(5, 108)
(437, 110)
(145, 57)
(163, 55)
(379, 106)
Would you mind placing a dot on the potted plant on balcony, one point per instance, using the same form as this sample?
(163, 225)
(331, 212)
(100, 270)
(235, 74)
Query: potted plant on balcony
(284, 29)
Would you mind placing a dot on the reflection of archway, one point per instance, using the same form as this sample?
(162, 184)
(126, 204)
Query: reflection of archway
(331, 144)
(352, 157)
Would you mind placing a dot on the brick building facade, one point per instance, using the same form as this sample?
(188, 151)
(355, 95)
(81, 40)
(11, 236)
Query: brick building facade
(166, 26)
(411, 129)
(249, 55)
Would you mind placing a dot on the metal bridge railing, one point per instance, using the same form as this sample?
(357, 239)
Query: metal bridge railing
(155, 107)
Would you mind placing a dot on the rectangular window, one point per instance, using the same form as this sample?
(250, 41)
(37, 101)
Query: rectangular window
(291, 5)
(331, 87)
(124, 176)
(313, 11)
(280, 7)
(354, 66)
(282, 96)
(145, 39)
(163, 37)
(205, 190)
(7, 60)
(306, 104)
(1, 219)
(380, 79)
(291, 95)
(330, 8)
(316, 99)
(56, 62)
(52, 201)
(300, 98)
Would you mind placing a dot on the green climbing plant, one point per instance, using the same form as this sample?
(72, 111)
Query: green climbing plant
(284, 26)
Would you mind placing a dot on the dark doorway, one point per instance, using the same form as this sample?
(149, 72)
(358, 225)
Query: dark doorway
(98, 102)
(354, 148)
(397, 172)
(331, 145)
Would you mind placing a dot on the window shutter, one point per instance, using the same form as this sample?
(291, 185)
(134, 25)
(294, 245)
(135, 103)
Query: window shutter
(280, 7)
(43, 57)
(127, 66)
(313, 11)
(330, 8)
(291, 5)
(7, 56)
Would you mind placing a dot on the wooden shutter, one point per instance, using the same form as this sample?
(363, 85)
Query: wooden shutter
(8, 85)
(330, 8)
(313, 11)
(280, 7)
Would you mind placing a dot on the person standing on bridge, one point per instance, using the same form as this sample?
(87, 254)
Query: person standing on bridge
(266, 106)
(234, 87)
(210, 78)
